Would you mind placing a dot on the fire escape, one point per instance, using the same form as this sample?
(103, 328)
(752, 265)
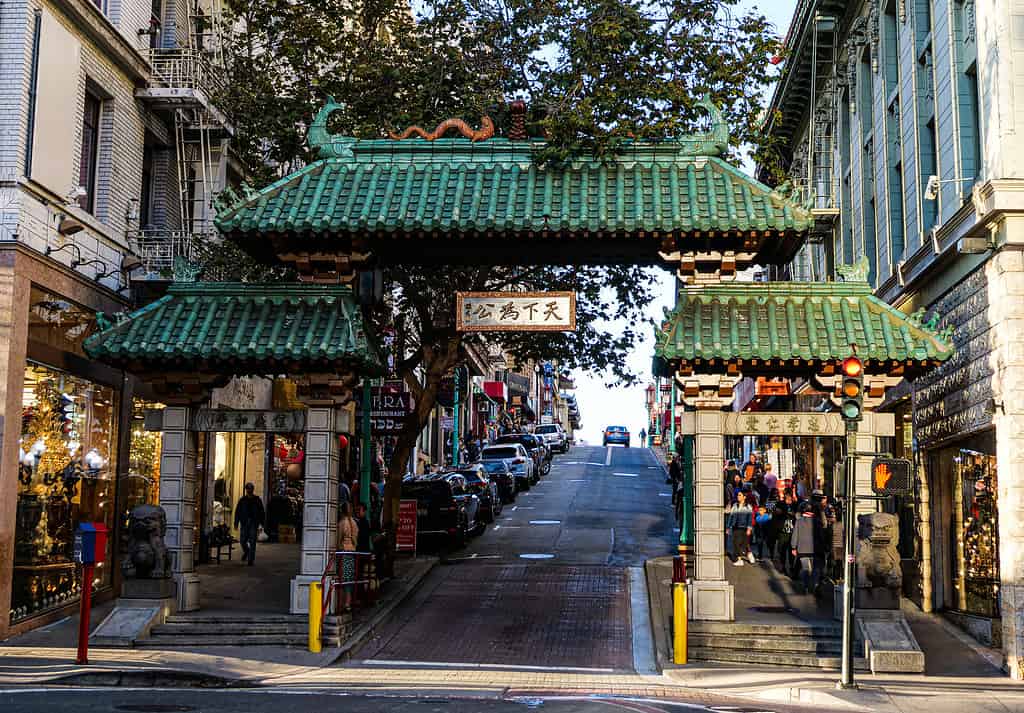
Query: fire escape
(187, 81)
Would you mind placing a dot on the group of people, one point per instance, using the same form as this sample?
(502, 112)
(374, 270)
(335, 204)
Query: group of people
(781, 521)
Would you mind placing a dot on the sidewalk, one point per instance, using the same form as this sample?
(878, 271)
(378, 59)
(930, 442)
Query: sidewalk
(47, 655)
(961, 675)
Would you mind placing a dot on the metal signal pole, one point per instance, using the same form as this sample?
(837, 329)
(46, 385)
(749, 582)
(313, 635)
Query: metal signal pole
(846, 681)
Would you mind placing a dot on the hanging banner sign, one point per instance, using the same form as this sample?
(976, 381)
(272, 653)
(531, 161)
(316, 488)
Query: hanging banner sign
(515, 311)
(390, 406)
(405, 533)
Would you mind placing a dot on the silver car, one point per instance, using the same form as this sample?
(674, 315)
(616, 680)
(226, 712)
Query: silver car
(519, 462)
(553, 436)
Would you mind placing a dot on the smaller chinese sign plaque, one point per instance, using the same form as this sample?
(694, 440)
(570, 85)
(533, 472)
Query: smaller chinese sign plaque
(515, 311)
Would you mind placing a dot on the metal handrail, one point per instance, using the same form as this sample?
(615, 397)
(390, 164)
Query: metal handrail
(157, 249)
(335, 580)
(183, 68)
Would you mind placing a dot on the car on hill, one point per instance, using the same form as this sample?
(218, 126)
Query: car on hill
(503, 477)
(554, 436)
(518, 460)
(616, 435)
(444, 507)
(480, 484)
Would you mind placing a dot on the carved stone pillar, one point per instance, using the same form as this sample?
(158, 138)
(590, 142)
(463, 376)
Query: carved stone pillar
(177, 498)
(711, 596)
(320, 513)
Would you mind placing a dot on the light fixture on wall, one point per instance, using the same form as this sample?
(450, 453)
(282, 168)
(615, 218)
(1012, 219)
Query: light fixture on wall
(931, 189)
(66, 246)
(69, 225)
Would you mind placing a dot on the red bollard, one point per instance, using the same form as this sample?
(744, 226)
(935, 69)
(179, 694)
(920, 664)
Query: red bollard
(84, 608)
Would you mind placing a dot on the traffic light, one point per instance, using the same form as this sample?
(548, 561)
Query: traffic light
(851, 392)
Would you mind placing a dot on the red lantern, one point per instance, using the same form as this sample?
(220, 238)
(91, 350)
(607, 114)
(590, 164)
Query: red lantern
(342, 440)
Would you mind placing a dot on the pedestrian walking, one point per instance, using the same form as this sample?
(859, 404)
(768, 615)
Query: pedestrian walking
(643, 437)
(679, 443)
(249, 517)
(348, 540)
(752, 468)
(806, 546)
(771, 480)
(785, 516)
(741, 525)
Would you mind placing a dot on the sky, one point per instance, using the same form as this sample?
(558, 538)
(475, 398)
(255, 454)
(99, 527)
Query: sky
(621, 406)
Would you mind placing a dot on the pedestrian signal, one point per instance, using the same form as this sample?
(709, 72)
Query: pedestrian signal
(851, 392)
(891, 476)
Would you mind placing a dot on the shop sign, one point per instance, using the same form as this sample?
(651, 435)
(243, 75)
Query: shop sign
(390, 406)
(405, 533)
(515, 311)
(249, 421)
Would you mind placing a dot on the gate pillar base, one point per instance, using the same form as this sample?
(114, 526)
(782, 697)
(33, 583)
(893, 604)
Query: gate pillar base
(300, 593)
(187, 585)
(711, 600)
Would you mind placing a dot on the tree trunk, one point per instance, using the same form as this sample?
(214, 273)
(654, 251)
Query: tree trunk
(437, 363)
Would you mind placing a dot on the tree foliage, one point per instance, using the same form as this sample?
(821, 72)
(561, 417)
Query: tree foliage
(595, 73)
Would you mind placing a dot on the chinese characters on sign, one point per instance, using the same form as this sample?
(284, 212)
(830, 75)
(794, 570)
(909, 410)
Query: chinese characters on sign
(248, 421)
(515, 311)
(783, 424)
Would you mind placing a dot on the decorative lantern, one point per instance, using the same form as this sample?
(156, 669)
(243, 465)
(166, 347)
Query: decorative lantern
(342, 440)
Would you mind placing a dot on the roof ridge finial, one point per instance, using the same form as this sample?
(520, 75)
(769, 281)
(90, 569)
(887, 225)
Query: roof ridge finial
(324, 143)
(485, 131)
(707, 143)
(857, 272)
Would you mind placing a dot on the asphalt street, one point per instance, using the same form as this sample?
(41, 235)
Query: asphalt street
(264, 701)
(553, 583)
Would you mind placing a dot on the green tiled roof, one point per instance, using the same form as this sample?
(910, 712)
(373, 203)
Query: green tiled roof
(241, 329)
(451, 187)
(771, 324)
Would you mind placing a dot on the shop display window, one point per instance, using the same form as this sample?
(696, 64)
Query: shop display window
(66, 475)
(141, 485)
(58, 323)
(285, 501)
(978, 533)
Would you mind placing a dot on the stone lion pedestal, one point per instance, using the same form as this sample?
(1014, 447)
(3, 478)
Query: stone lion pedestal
(148, 594)
(889, 643)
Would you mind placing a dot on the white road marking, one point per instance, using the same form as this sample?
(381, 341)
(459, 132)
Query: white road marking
(577, 480)
(664, 495)
(532, 556)
(608, 458)
(514, 508)
(435, 664)
(527, 507)
(628, 475)
(545, 522)
(474, 556)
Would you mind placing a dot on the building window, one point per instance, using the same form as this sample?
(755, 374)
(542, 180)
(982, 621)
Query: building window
(966, 86)
(867, 116)
(33, 86)
(88, 163)
(845, 249)
(891, 48)
(895, 160)
(146, 196)
(155, 23)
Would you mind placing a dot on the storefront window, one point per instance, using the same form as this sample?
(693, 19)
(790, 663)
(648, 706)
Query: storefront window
(978, 530)
(285, 501)
(57, 323)
(143, 481)
(67, 463)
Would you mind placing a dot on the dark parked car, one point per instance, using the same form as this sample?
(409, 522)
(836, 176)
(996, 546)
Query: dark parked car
(479, 483)
(616, 434)
(498, 471)
(444, 507)
(534, 445)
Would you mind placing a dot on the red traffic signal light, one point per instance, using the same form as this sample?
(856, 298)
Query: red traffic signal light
(853, 366)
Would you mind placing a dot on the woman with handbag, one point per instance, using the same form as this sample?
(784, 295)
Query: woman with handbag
(348, 537)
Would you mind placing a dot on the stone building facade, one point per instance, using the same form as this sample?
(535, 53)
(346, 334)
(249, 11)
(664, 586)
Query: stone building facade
(902, 126)
(90, 195)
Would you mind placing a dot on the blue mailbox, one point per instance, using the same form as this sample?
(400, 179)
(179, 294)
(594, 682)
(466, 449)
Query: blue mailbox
(85, 543)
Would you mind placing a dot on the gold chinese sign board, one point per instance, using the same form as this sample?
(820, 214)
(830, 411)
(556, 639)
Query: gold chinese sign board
(765, 423)
(515, 311)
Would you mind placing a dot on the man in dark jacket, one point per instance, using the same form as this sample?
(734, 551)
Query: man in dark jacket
(249, 515)
(806, 544)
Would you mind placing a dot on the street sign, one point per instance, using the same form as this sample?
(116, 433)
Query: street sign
(515, 311)
(891, 476)
(405, 533)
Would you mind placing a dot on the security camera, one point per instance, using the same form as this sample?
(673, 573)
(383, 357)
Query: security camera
(931, 190)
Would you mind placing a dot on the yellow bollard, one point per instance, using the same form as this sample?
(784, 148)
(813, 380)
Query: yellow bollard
(315, 616)
(679, 616)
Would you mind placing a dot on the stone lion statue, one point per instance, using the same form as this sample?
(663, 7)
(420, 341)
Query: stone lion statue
(878, 560)
(147, 556)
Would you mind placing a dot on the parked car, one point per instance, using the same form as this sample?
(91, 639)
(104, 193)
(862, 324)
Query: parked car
(444, 507)
(518, 460)
(616, 434)
(480, 484)
(534, 445)
(554, 436)
(503, 478)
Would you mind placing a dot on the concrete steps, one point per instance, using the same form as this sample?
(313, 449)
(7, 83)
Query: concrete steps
(186, 630)
(797, 645)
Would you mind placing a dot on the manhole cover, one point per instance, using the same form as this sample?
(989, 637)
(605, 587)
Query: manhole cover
(775, 610)
(154, 708)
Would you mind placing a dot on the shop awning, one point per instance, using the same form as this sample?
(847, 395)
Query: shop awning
(496, 390)
(776, 328)
(239, 329)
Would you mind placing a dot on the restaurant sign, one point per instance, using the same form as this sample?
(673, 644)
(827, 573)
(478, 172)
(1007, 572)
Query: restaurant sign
(515, 311)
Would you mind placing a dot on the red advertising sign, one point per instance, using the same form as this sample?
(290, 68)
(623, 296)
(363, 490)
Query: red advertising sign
(405, 536)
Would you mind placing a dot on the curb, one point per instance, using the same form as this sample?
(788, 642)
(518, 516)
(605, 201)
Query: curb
(365, 631)
(151, 678)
